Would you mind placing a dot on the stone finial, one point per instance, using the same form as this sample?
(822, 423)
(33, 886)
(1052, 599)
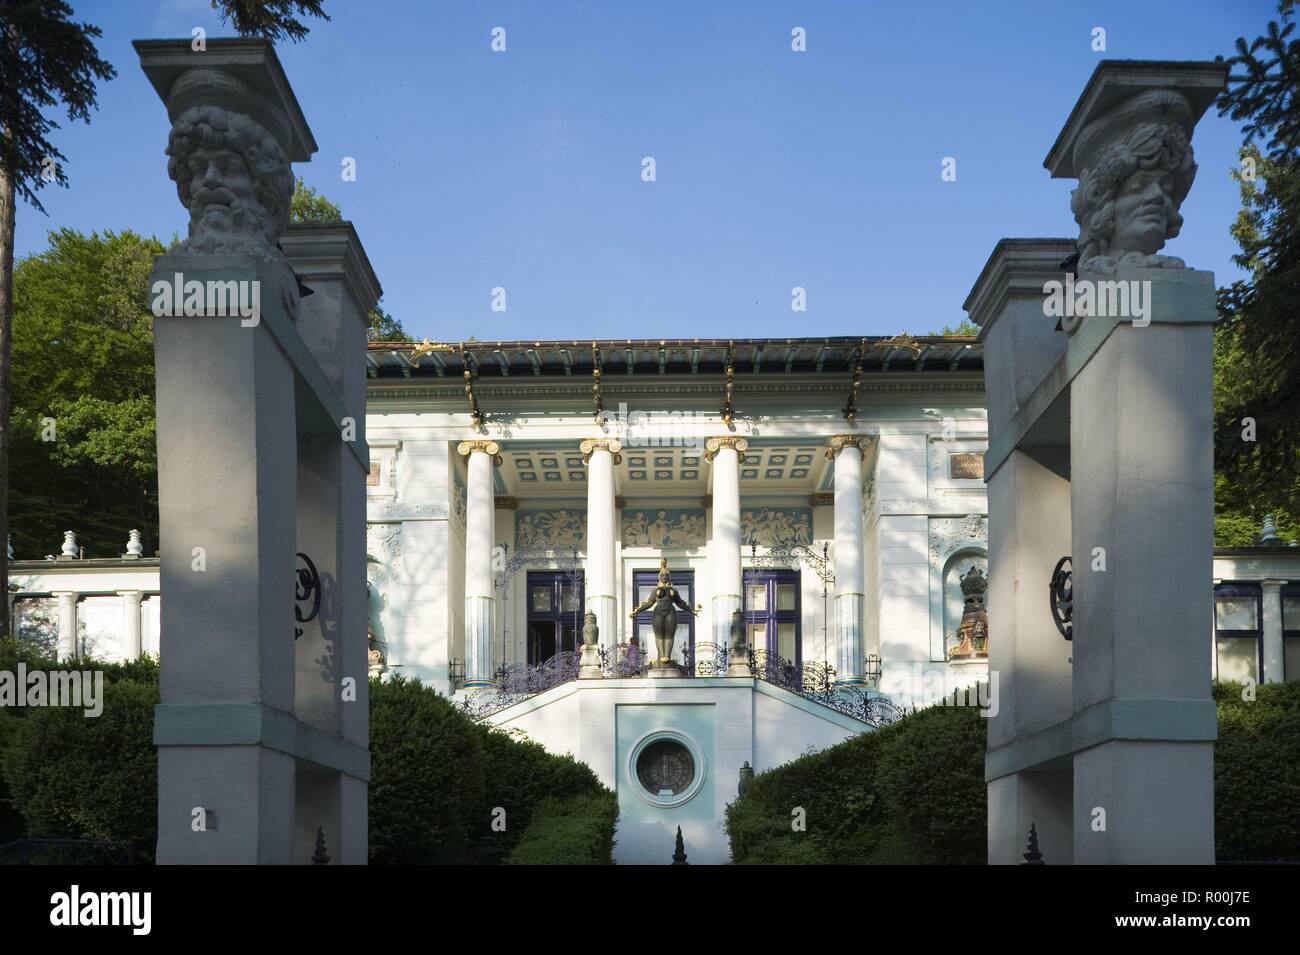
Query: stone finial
(69, 550)
(9, 547)
(589, 667)
(746, 778)
(1032, 855)
(679, 851)
(134, 546)
(1128, 142)
(1268, 535)
(738, 657)
(320, 856)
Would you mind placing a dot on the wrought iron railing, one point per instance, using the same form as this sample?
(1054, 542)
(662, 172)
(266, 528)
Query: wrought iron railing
(813, 681)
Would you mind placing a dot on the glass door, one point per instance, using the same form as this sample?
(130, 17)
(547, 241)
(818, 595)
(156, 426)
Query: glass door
(772, 613)
(554, 614)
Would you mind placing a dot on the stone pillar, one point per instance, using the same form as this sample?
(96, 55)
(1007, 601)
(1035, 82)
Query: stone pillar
(68, 644)
(601, 454)
(846, 453)
(480, 537)
(131, 646)
(1271, 624)
(724, 549)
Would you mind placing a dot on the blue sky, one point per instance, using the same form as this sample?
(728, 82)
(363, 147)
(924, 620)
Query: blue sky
(775, 169)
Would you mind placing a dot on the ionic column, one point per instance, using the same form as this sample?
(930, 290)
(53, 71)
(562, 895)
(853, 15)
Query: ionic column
(600, 455)
(846, 453)
(1271, 624)
(67, 623)
(724, 548)
(130, 623)
(480, 536)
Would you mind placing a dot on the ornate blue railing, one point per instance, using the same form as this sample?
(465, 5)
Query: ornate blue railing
(812, 681)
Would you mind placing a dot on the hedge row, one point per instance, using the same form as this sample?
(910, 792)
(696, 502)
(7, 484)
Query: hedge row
(578, 830)
(909, 792)
(443, 788)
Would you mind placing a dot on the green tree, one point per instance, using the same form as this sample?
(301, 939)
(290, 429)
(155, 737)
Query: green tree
(83, 437)
(46, 60)
(271, 19)
(308, 205)
(964, 327)
(1257, 340)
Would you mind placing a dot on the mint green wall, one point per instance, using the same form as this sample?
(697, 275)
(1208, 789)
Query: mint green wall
(694, 720)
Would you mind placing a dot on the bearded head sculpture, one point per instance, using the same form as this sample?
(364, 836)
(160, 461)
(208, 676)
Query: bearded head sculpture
(234, 178)
(1135, 169)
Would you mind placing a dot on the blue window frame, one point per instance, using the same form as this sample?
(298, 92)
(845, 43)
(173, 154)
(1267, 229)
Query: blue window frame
(643, 584)
(1238, 632)
(773, 605)
(554, 614)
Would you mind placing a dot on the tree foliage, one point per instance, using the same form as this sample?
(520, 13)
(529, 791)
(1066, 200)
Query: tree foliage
(271, 19)
(1257, 341)
(83, 375)
(45, 59)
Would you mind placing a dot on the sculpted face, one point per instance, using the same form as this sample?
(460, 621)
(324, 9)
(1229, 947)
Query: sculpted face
(221, 187)
(1144, 207)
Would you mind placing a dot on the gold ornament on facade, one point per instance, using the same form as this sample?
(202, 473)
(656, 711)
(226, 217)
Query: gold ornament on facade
(427, 347)
(842, 441)
(490, 448)
(903, 340)
(714, 445)
(728, 413)
(973, 631)
(591, 445)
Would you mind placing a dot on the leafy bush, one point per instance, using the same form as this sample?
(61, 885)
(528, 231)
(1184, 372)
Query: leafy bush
(1257, 773)
(519, 775)
(426, 776)
(73, 777)
(578, 830)
(909, 792)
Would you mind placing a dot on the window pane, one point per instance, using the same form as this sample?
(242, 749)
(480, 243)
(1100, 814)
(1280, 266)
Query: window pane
(542, 599)
(785, 640)
(568, 599)
(758, 636)
(1291, 664)
(1238, 658)
(757, 595)
(785, 595)
(1291, 613)
(646, 635)
(1236, 613)
(684, 591)
(643, 592)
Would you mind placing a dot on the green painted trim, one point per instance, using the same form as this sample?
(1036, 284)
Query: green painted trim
(1169, 721)
(255, 724)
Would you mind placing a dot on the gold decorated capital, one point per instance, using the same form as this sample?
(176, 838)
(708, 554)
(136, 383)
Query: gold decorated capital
(714, 445)
(591, 445)
(490, 448)
(842, 441)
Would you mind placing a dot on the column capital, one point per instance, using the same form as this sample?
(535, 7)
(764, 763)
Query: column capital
(841, 441)
(490, 448)
(590, 446)
(1272, 583)
(129, 592)
(713, 445)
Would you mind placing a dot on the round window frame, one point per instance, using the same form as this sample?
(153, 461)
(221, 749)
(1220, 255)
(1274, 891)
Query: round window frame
(687, 794)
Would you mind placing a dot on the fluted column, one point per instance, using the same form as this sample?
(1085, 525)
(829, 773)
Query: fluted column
(67, 623)
(1271, 625)
(601, 454)
(724, 548)
(480, 536)
(846, 452)
(131, 645)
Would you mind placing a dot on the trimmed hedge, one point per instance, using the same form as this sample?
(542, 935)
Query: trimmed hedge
(439, 780)
(1257, 773)
(912, 791)
(578, 830)
(426, 776)
(66, 776)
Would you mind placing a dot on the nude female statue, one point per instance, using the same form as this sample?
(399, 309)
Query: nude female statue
(666, 602)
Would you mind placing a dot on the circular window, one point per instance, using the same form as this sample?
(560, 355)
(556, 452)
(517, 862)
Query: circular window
(665, 768)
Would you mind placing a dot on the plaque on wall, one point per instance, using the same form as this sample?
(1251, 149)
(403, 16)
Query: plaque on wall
(966, 466)
(372, 479)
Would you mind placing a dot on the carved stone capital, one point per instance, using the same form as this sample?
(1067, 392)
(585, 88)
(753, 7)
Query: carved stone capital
(590, 446)
(714, 445)
(504, 502)
(490, 448)
(842, 441)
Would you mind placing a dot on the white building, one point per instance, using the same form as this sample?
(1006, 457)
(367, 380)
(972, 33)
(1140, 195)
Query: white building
(830, 489)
